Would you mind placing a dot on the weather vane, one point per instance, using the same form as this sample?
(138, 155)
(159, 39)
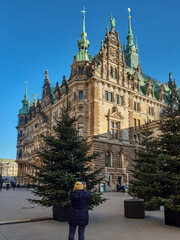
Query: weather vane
(83, 11)
(129, 10)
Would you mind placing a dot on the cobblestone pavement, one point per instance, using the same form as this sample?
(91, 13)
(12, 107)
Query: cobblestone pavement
(107, 222)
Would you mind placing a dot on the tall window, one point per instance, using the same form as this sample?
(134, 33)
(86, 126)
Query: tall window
(79, 71)
(120, 160)
(121, 100)
(108, 159)
(115, 74)
(114, 129)
(82, 71)
(117, 99)
(110, 97)
(80, 95)
(111, 72)
(135, 126)
(139, 124)
(106, 95)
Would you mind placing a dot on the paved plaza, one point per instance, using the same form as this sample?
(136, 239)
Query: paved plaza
(107, 222)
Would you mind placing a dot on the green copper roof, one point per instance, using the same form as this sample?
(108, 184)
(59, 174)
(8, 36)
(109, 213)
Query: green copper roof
(83, 44)
(143, 81)
(25, 108)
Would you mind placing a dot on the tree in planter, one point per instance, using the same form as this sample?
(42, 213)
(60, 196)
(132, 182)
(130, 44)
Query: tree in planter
(145, 184)
(65, 160)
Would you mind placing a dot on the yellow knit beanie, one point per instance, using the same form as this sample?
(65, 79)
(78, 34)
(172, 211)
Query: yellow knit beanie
(78, 186)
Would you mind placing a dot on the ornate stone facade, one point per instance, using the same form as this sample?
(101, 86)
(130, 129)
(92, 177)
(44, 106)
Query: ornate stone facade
(112, 99)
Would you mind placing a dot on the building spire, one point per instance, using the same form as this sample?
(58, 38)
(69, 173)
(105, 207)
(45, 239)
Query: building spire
(83, 44)
(130, 36)
(131, 52)
(25, 96)
(84, 12)
(25, 108)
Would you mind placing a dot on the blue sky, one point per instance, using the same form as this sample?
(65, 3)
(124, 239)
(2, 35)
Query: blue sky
(40, 34)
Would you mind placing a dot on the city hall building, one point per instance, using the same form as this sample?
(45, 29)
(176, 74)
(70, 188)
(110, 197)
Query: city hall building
(111, 97)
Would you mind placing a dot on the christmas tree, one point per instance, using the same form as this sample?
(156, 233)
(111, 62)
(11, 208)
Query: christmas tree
(144, 183)
(65, 159)
(169, 157)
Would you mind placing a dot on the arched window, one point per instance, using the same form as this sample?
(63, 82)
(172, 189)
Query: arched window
(108, 157)
(120, 160)
(79, 71)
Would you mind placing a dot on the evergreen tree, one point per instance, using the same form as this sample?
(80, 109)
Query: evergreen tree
(169, 157)
(144, 183)
(66, 158)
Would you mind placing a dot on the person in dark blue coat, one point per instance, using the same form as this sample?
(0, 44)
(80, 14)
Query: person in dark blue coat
(78, 215)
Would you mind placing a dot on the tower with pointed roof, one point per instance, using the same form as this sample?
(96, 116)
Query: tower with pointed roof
(131, 52)
(25, 108)
(83, 44)
(22, 118)
(80, 69)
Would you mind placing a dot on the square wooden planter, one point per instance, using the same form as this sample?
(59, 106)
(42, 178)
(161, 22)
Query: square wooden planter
(60, 214)
(134, 208)
(172, 218)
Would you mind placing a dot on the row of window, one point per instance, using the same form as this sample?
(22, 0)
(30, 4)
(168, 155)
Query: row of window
(151, 111)
(81, 70)
(109, 157)
(109, 97)
(113, 73)
(137, 106)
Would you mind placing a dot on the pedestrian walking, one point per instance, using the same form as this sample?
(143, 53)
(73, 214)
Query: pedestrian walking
(78, 215)
(7, 186)
(118, 187)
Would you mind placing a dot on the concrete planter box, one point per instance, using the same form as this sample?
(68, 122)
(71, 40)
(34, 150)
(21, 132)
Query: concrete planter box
(60, 214)
(172, 218)
(134, 208)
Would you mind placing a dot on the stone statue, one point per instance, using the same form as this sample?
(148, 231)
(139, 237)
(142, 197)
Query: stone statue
(170, 75)
(113, 22)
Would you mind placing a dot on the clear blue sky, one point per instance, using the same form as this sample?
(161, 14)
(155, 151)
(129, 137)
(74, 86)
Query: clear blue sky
(40, 34)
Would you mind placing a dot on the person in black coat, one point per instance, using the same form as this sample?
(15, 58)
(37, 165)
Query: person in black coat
(78, 215)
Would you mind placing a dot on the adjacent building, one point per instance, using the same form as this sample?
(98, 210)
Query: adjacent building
(110, 95)
(8, 170)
